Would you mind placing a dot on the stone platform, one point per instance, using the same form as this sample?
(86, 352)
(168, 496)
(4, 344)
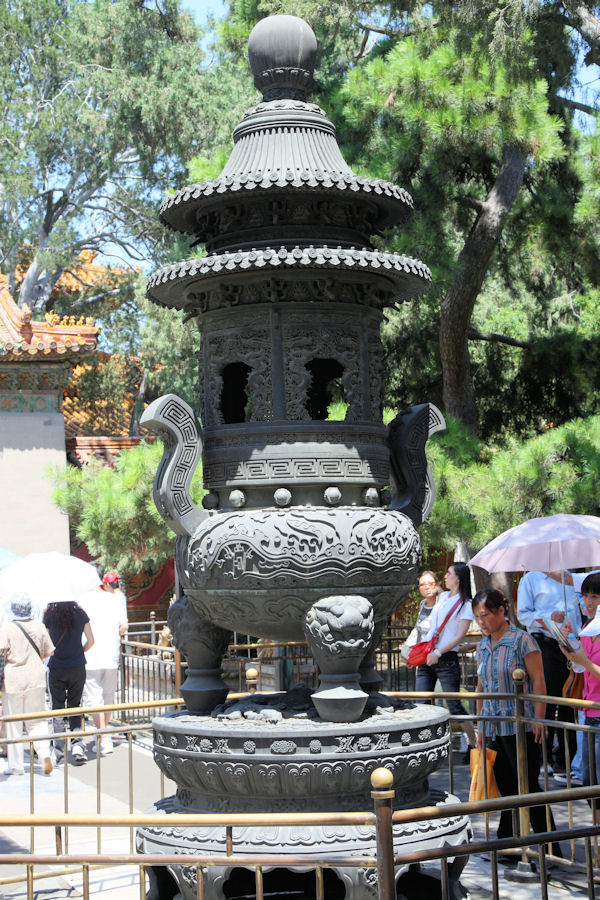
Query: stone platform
(259, 756)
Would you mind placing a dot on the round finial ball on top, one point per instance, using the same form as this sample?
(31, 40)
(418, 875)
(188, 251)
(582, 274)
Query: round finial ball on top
(382, 779)
(282, 42)
(282, 51)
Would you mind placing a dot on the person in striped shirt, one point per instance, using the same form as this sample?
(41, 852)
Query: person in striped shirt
(503, 649)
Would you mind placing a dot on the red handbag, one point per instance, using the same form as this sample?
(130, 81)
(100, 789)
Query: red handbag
(419, 653)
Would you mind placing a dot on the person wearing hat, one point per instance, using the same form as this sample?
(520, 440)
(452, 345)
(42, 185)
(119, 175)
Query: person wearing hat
(25, 643)
(588, 656)
(106, 608)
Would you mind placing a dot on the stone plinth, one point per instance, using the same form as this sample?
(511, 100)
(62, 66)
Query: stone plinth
(259, 756)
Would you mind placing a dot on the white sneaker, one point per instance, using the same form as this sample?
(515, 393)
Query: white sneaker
(56, 757)
(106, 746)
(78, 754)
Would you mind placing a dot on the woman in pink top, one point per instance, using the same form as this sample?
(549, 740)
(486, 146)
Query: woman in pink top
(589, 657)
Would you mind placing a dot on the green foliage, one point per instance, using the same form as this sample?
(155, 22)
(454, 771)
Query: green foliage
(112, 508)
(169, 350)
(103, 101)
(99, 400)
(482, 490)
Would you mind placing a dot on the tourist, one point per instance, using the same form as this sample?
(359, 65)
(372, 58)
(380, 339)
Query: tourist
(442, 663)
(502, 649)
(541, 595)
(25, 643)
(588, 656)
(430, 590)
(66, 623)
(107, 610)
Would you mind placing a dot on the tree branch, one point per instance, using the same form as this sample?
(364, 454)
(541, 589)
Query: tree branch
(575, 104)
(471, 269)
(89, 301)
(474, 203)
(388, 31)
(498, 339)
(584, 20)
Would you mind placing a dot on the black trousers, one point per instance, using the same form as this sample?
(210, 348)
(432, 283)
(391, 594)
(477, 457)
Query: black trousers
(66, 689)
(556, 672)
(507, 779)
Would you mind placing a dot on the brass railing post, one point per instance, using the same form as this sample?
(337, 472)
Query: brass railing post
(525, 870)
(251, 680)
(521, 734)
(177, 673)
(383, 794)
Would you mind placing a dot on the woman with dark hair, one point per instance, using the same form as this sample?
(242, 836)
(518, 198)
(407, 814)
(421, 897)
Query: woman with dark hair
(503, 649)
(67, 622)
(450, 619)
(588, 657)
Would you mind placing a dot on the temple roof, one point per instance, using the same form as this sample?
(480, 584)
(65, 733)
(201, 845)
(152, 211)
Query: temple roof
(102, 415)
(23, 338)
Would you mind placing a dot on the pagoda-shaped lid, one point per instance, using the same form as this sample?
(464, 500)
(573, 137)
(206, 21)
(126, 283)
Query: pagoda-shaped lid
(284, 144)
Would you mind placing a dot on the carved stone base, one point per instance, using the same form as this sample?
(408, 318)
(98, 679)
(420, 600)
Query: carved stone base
(250, 757)
(318, 842)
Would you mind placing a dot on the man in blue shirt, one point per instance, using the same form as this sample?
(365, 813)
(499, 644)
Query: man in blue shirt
(541, 597)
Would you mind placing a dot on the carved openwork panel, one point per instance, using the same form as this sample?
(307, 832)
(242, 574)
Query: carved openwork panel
(210, 298)
(305, 345)
(297, 213)
(250, 347)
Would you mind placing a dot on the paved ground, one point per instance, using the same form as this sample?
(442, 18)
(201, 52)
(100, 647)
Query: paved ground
(145, 786)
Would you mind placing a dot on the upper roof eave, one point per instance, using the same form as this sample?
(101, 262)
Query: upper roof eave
(25, 339)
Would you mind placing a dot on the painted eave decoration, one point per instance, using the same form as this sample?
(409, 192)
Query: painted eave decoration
(22, 338)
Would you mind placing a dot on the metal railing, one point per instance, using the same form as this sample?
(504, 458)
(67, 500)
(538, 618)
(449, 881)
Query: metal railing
(149, 671)
(65, 827)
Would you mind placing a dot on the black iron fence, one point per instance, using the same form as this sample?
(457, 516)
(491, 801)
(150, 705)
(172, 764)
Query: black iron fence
(151, 670)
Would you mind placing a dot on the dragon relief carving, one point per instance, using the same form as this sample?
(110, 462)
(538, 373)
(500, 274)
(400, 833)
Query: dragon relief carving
(375, 373)
(264, 547)
(304, 345)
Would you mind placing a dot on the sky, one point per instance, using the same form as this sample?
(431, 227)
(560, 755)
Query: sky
(201, 9)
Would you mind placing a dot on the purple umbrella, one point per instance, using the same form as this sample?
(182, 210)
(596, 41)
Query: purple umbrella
(548, 544)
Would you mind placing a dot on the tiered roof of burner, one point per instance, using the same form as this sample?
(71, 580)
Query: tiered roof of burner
(286, 154)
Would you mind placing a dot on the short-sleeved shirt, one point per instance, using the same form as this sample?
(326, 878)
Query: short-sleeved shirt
(24, 669)
(107, 612)
(495, 667)
(68, 648)
(441, 609)
(539, 596)
(591, 684)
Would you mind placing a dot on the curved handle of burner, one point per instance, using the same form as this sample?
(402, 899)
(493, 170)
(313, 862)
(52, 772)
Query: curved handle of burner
(177, 426)
(412, 479)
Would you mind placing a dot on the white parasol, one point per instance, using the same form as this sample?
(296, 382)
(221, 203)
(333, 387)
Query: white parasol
(548, 544)
(46, 578)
